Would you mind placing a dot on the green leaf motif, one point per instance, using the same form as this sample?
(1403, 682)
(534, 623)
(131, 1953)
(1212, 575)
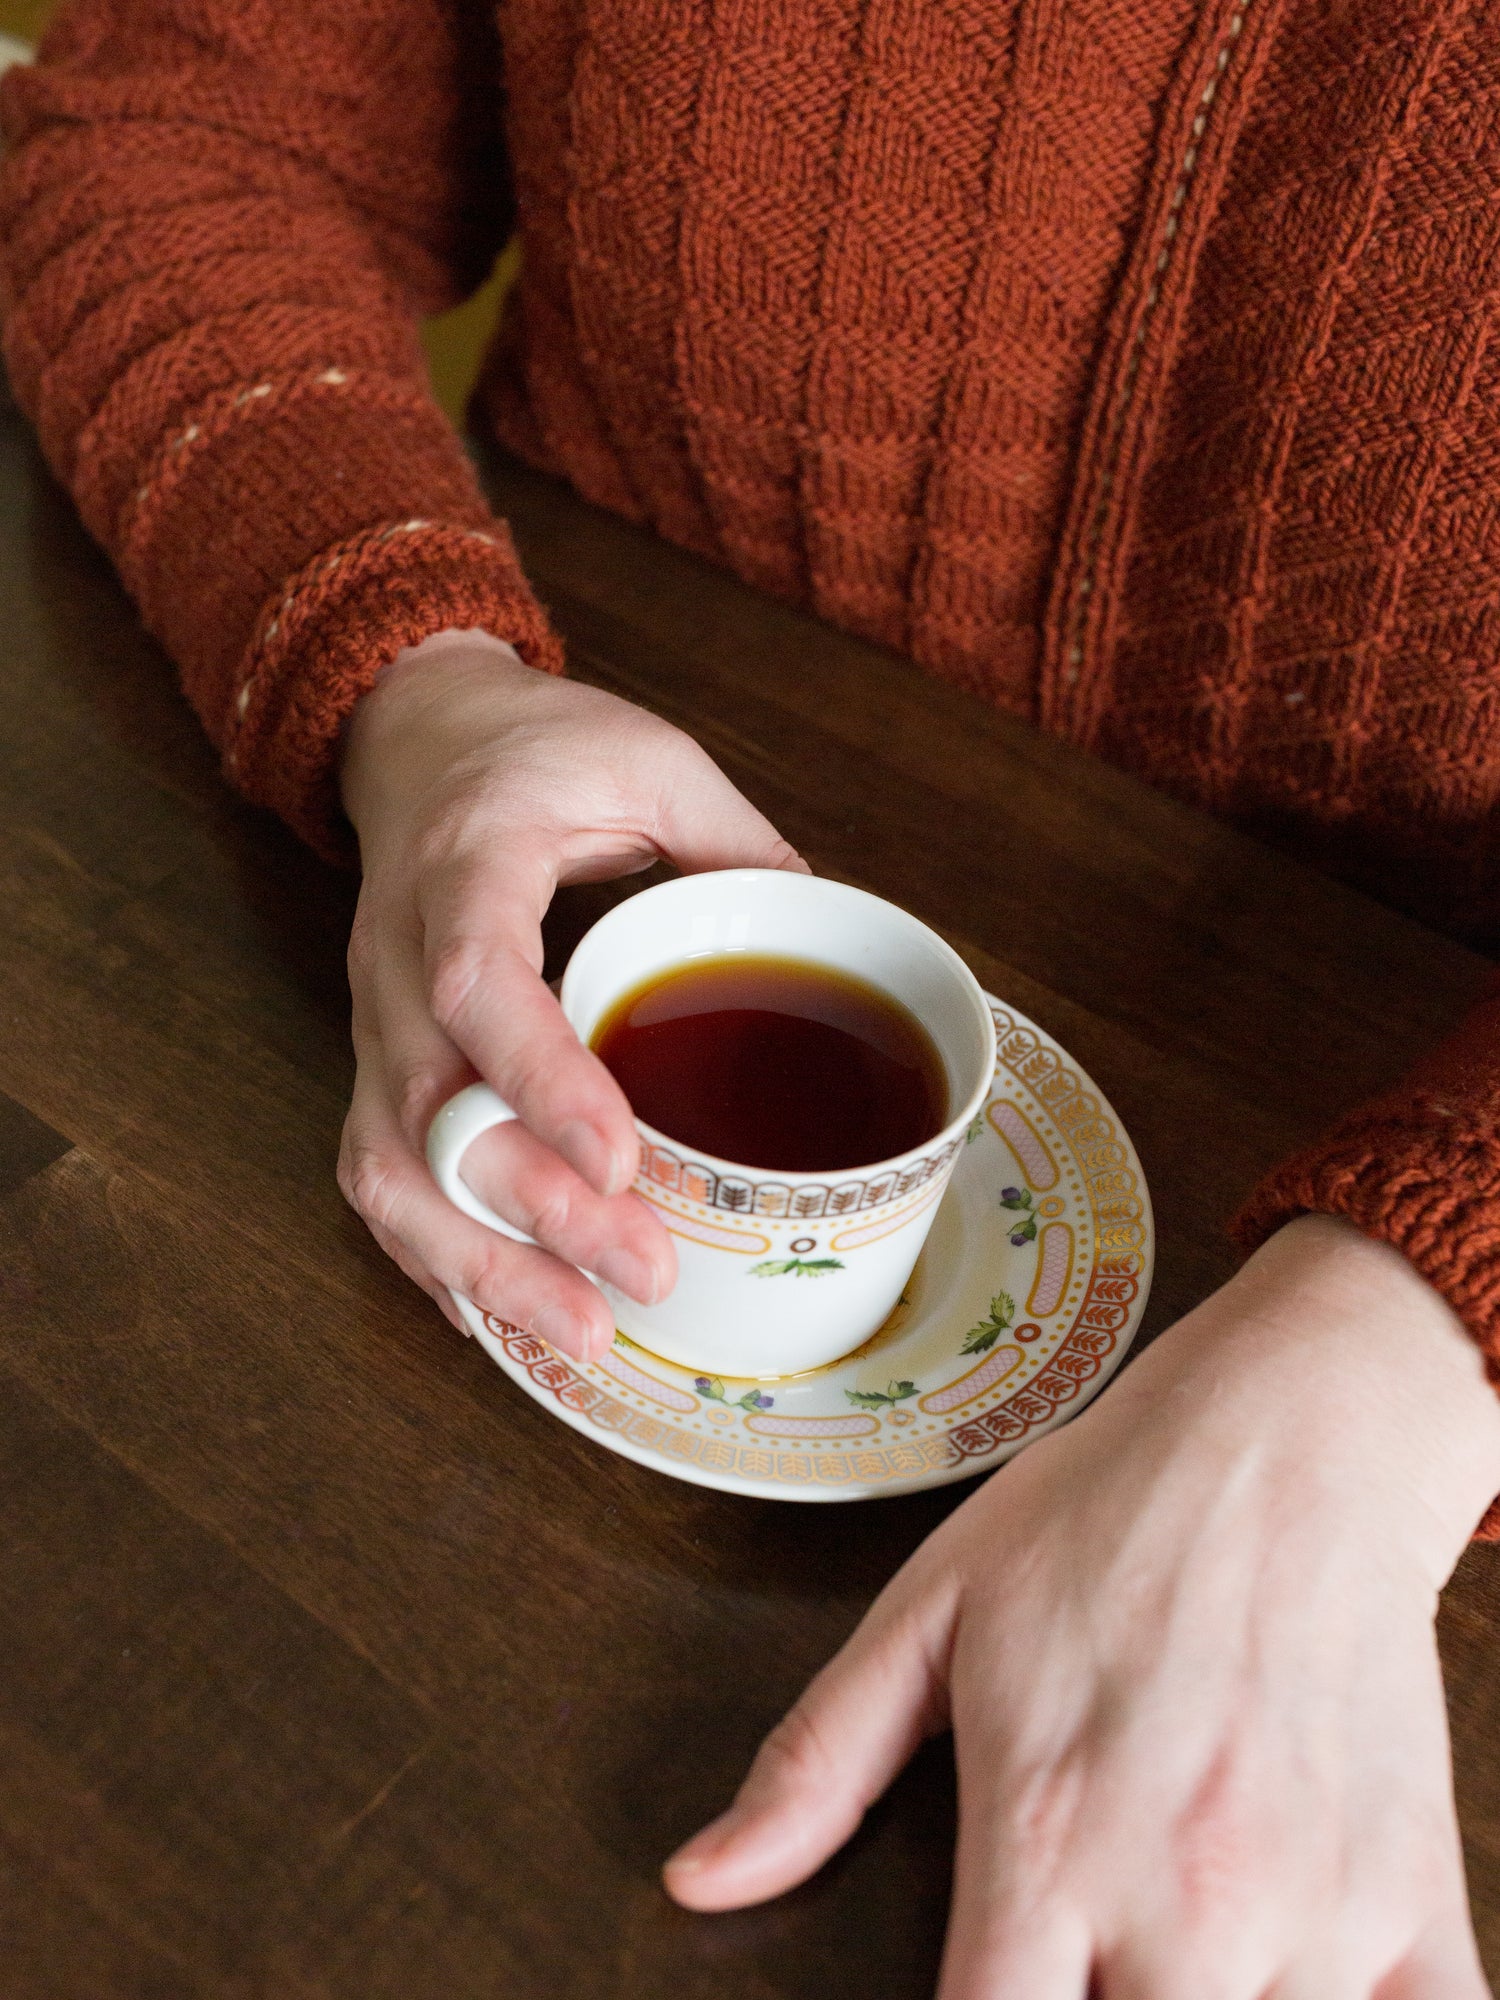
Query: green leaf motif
(711, 1388)
(875, 1399)
(976, 1126)
(980, 1339)
(796, 1267)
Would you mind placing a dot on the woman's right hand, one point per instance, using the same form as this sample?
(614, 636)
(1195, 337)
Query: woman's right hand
(477, 786)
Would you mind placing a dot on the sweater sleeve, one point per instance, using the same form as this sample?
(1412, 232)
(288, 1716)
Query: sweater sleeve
(219, 222)
(1418, 1168)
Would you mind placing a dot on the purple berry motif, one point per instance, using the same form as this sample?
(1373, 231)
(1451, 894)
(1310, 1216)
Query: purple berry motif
(701, 1384)
(764, 1402)
(1010, 1194)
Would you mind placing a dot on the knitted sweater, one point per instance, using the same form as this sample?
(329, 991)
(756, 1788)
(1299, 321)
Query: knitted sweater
(1131, 362)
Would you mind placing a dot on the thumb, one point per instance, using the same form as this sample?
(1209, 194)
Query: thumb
(829, 1758)
(705, 822)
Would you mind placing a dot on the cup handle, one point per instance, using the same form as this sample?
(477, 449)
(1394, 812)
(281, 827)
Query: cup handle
(450, 1135)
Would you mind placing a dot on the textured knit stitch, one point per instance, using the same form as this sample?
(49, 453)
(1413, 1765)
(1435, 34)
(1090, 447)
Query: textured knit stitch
(213, 259)
(1130, 362)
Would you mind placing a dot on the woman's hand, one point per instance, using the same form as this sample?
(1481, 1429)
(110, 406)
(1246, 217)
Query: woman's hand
(1186, 1648)
(477, 786)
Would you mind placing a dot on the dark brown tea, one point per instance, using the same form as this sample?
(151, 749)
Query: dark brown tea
(775, 1063)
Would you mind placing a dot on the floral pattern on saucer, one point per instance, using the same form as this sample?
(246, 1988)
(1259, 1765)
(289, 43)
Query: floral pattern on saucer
(1026, 1297)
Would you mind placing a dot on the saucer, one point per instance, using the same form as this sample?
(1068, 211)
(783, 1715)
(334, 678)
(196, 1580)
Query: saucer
(1027, 1294)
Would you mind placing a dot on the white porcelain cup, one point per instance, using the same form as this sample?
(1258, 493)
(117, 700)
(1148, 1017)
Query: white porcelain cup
(777, 1272)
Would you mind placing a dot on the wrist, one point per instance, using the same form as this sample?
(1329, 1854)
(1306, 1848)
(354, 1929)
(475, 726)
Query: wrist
(1332, 1360)
(415, 700)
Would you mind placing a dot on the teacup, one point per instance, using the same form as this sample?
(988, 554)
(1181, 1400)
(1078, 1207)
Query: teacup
(777, 1273)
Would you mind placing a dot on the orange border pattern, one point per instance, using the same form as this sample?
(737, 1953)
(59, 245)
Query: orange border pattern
(1102, 1317)
(715, 1454)
(805, 1202)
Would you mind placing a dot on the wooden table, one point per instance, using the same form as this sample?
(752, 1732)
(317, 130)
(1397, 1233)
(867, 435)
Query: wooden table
(330, 1665)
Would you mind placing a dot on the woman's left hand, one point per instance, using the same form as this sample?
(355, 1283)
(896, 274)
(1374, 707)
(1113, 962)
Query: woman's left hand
(1186, 1649)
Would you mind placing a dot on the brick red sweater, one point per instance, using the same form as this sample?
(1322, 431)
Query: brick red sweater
(1132, 362)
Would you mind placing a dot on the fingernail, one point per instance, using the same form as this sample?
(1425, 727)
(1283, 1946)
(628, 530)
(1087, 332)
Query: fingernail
(585, 1147)
(599, 1345)
(564, 1329)
(632, 1274)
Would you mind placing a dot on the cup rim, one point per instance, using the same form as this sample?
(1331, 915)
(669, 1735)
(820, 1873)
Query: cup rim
(867, 1170)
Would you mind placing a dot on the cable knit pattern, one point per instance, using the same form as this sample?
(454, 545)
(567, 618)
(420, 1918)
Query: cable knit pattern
(1298, 621)
(1131, 362)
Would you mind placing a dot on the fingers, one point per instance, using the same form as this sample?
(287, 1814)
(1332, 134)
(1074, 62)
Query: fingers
(833, 1754)
(391, 1187)
(419, 1274)
(1012, 1933)
(1444, 1966)
(1024, 1954)
(409, 1068)
(618, 1237)
(483, 988)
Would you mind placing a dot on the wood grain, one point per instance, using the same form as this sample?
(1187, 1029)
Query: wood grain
(330, 1665)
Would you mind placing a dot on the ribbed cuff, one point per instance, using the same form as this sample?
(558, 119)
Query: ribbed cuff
(321, 642)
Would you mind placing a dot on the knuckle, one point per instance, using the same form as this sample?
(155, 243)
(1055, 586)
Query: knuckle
(549, 1214)
(369, 1179)
(794, 1755)
(360, 957)
(1212, 1846)
(530, 1074)
(1222, 1866)
(488, 1277)
(1046, 1804)
(417, 1093)
(456, 970)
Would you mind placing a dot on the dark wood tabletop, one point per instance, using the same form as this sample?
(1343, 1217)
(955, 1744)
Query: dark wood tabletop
(330, 1664)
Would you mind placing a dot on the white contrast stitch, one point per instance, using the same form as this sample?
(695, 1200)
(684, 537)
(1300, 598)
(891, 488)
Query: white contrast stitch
(333, 562)
(1170, 226)
(333, 377)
